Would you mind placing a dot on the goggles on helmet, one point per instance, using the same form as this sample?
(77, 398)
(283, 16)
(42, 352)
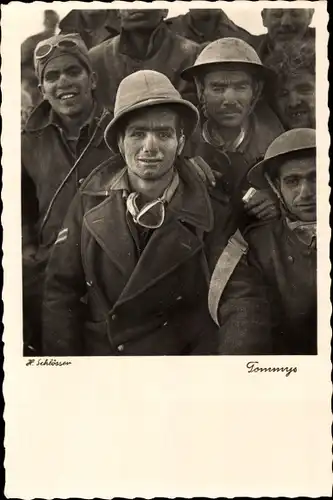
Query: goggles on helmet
(45, 49)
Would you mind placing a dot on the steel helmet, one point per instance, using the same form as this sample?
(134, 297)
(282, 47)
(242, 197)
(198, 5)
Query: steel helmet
(143, 89)
(297, 140)
(227, 51)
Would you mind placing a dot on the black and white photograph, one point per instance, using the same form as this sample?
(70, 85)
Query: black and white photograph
(166, 283)
(169, 183)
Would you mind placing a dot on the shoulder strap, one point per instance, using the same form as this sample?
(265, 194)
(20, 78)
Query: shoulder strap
(228, 260)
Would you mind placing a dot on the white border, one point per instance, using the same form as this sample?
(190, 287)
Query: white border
(147, 427)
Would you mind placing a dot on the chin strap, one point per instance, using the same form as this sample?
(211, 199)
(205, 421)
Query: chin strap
(152, 214)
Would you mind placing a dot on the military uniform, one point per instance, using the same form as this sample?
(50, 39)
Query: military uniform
(47, 158)
(149, 300)
(183, 25)
(289, 268)
(79, 21)
(167, 53)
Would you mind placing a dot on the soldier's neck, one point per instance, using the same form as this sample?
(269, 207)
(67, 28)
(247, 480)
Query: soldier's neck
(139, 41)
(73, 124)
(150, 189)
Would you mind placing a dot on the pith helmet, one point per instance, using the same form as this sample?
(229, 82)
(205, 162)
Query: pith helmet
(227, 51)
(144, 89)
(298, 140)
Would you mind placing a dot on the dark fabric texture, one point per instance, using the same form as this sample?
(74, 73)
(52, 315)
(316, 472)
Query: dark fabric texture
(105, 296)
(46, 160)
(289, 268)
(167, 53)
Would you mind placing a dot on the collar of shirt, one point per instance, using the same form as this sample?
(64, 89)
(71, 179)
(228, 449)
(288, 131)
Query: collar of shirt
(305, 231)
(157, 39)
(89, 122)
(235, 146)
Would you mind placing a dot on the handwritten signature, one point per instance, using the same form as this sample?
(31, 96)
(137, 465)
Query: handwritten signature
(252, 367)
(46, 362)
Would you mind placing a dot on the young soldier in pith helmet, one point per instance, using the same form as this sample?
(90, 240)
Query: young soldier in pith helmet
(148, 247)
(284, 250)
(236, 121)
(60, 142)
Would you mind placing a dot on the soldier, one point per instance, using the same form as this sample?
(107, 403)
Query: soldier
(94, 26)
(293, 95)
(140, 245)
(61, 141)
(144, 42)
(284, 28)
(284, 250)
(206, 25)
(237, 126)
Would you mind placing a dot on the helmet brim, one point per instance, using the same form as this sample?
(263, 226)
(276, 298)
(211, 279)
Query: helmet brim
(263, 72)
(256, 176)
(188, 112)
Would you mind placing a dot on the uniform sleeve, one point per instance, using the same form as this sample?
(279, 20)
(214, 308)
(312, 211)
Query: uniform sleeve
(243, 308)
(63, 307)
(244, 313)
(29, 209)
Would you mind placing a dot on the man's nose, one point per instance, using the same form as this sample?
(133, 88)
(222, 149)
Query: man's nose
(150, 143)
(294, 99)
(63, 79)
(229, 95)
(286, 19)
(307, 190)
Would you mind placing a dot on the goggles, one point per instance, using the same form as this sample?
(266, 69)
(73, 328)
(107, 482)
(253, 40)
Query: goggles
(45, 49)
(152, 214)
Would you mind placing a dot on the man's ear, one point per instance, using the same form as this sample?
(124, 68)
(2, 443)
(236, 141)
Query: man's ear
(181, 144)
(93, 80)
(120, 141)
(165, 13)
(41, 90)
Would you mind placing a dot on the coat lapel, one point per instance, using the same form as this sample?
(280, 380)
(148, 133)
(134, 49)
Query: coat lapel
(107, 224)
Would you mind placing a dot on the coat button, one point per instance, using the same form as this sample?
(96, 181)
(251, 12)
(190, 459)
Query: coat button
(121, 347)
(179, 298)
(114, 317)
(290, 258)
(89, 283)
(81, 180)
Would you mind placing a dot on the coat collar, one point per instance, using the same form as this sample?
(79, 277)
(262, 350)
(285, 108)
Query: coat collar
(222, 20)
(190, 204)
(43, 117)
(157, 39)
(168, 247)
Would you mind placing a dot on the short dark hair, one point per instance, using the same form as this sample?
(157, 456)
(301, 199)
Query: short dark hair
(292, 59)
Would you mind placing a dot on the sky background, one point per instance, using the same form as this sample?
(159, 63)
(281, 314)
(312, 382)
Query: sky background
(245, 14)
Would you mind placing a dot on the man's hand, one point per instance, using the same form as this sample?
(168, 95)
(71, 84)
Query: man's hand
(262, 206)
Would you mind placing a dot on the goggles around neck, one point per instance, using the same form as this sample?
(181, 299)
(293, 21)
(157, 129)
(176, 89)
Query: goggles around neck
(152, 214)
(45, 49)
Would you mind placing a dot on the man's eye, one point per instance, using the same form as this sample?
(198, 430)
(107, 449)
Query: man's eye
(165, 135)
(51, 76)
(241, 86)
(306, 89)
(74, 71)
(138, 133)
(291, 181)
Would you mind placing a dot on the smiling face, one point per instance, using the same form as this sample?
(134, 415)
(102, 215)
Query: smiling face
(285, 25)
(150, 142)
(295, 101)
(228, 96)
(68, 85)
(296, 182)
(136, 19)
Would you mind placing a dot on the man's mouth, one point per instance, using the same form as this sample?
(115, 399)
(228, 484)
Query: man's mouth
(149, 161)
(298, 114)
(66, 96)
